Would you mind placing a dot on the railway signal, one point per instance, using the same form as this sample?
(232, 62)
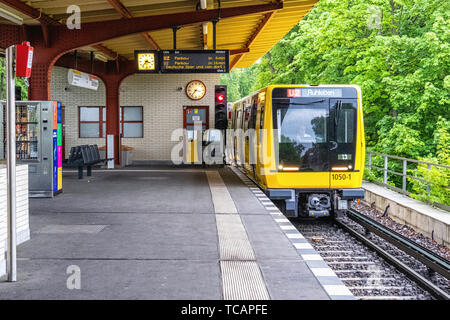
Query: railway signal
(220, 103)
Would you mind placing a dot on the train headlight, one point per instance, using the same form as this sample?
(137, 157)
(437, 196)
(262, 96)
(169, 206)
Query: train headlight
(339, 168)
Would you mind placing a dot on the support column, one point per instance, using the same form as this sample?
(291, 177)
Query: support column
(112, 85)
(40, 82)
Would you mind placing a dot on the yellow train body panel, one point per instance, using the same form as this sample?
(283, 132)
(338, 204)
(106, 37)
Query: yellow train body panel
(301, 139)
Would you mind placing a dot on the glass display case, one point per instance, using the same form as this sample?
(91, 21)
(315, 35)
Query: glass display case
(38, 144)
(27, 132)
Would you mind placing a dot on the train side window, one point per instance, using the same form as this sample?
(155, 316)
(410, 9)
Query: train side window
(252, 121)
(247, 116)
(261, 117)
(239, 118)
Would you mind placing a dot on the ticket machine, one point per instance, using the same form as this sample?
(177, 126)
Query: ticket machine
(38, 144)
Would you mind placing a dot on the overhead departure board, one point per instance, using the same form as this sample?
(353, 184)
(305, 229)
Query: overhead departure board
(194, 61)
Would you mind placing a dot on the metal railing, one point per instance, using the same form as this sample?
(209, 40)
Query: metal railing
(404, 174)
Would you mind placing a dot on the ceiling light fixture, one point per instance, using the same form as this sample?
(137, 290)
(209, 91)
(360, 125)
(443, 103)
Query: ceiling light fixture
(11, 17)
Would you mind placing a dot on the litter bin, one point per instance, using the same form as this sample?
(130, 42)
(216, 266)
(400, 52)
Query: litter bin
(127, 154)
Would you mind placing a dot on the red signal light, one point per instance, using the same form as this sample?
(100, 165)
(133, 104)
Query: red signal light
(220, 97)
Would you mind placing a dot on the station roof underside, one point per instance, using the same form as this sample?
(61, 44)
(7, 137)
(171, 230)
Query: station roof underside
(248, 37)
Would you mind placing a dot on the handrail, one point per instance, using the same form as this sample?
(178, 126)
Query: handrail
(403, 174)
(409, 160)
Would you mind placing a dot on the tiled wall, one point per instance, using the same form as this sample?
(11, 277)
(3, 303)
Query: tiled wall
(162, 103)
(71, 99)
(22, 221)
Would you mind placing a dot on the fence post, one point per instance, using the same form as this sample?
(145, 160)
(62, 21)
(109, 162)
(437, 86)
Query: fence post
(428, 185)
(405, 162)
(385, 169)
(370, 161)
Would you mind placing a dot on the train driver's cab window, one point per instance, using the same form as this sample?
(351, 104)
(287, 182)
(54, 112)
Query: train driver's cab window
(302, 130)
(302, 125)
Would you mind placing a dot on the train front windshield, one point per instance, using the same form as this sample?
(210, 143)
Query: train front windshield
(314, 134)
(301, 131)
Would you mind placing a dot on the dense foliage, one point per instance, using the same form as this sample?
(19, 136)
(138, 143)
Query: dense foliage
(398, 51)
(19, 82)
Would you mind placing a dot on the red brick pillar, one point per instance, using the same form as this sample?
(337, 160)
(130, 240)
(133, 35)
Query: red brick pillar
(40, 81)
(112, 85)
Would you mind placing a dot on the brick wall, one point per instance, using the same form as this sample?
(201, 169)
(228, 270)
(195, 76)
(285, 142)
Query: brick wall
(162, 107)
(22, 211)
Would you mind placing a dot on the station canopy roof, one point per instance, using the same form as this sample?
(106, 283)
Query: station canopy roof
(248, 36)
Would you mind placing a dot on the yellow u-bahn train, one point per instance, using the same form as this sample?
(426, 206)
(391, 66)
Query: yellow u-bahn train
(303, 145)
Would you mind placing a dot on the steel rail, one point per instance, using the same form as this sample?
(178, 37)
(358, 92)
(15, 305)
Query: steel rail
(424, 255)
(424, 283)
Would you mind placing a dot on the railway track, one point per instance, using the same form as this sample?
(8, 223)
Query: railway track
(375, 262)
(372, 264)
(427, 269)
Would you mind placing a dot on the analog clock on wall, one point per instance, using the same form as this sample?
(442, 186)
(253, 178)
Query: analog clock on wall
(195, 90)
(146, 61)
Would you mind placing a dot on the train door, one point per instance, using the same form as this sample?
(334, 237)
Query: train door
(259, 126)
(247, 112)
(252, 136)
(237, 141)
(194, 118)
(342, 141)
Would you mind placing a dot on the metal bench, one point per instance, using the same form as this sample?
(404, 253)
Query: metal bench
(84, 156)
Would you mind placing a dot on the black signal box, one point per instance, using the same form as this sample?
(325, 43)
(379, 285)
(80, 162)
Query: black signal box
(220, 102)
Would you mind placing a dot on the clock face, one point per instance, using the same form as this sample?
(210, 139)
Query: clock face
(146, 61)
(195, 90)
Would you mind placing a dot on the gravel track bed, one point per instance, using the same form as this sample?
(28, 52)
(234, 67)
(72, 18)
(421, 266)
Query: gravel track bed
(404, 230)
(367, 275)
(410, 261)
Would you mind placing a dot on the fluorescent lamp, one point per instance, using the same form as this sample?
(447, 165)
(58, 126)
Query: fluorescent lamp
(100, 56)
(10, 17)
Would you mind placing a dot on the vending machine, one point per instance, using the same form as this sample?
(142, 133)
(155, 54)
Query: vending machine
(38, 144)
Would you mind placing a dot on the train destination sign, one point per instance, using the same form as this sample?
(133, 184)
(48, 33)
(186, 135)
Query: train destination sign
(194, 61)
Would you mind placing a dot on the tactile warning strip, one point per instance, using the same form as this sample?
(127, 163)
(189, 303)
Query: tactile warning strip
(331, 283)
(233, 240)
(241, 276)
(242, 281)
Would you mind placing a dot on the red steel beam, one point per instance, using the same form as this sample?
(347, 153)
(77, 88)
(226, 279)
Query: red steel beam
(46, 23)
(96, 32)
(124, 12)
(239, 51)
(252, 38)
(30, 11)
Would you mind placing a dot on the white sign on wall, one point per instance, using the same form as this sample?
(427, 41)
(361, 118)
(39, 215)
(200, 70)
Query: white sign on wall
(81, 79)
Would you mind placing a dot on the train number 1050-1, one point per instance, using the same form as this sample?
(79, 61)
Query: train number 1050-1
(341, 176)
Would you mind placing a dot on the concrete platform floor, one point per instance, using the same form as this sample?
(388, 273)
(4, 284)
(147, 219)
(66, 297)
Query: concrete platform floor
(148, 234)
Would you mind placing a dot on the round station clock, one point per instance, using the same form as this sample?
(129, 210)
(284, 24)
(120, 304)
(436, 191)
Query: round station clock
(195, 90)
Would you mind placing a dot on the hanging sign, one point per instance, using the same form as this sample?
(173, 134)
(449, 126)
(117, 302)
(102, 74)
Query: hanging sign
(81, 79)
(195, 61)
(182, 61)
